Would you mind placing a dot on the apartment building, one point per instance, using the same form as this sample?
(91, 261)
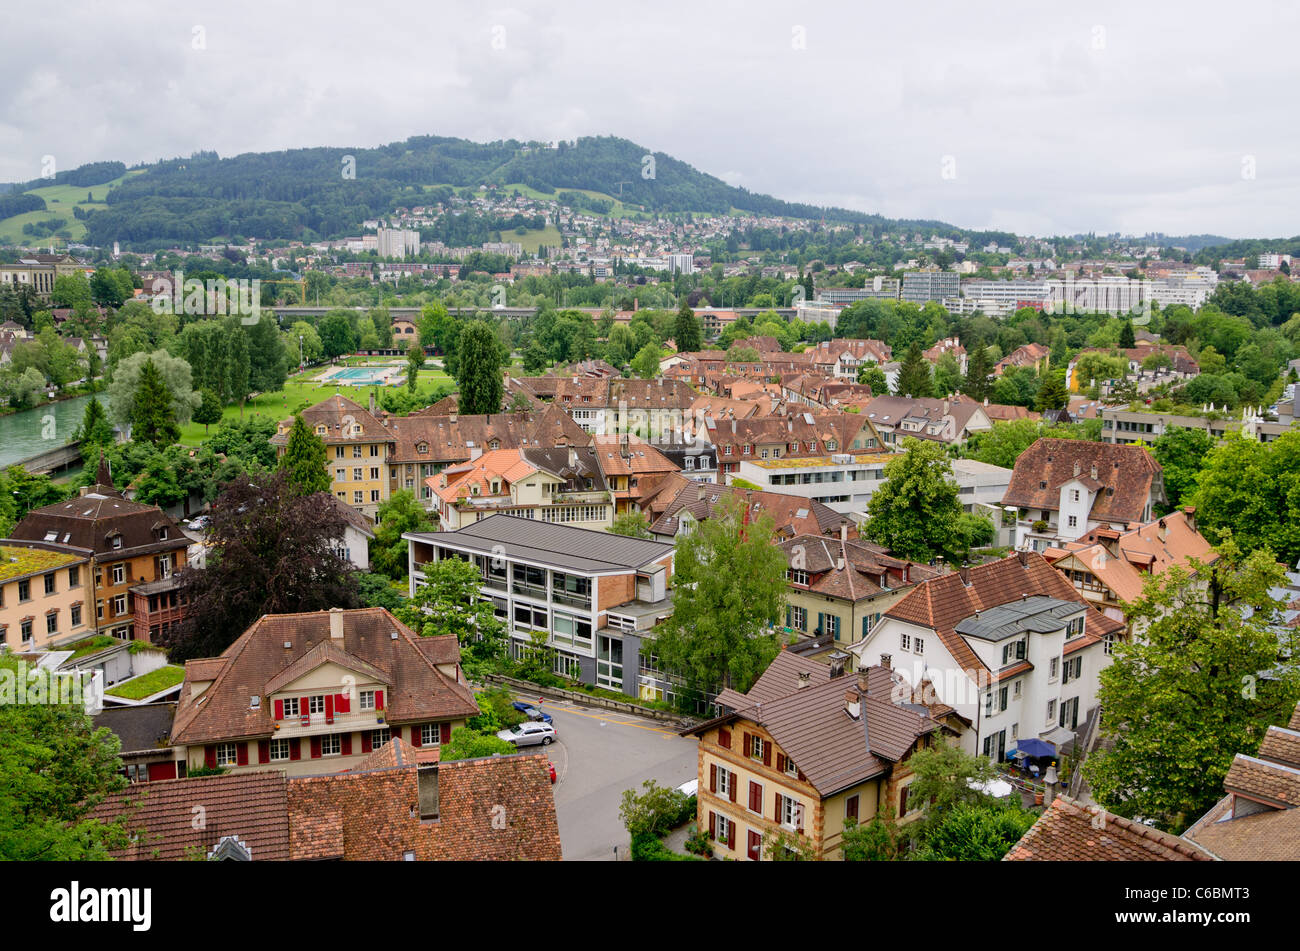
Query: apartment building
(43, 595)
(1010, 645)
(805, 751)
(357, 447)
(551, 485)
(594, 596)
(131, 546)
(318, 692)
(947, 420)
(778, 437)
(920, 287)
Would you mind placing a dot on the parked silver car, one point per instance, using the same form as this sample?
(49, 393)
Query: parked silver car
(529, 734)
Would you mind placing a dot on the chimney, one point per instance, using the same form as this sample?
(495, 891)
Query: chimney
(1023, 557)
(372, 402)
(1189, 511)
(852, 703)
(837, 665)
(964, 572)
(701, 490)
(886, 661)
(863, 681)
(573, 458)
(1093, 473)
(839, 563)
(452, 417)
(844, 529)
(1077, 470)
(805, 680)
(1052, 782)
(336, 624)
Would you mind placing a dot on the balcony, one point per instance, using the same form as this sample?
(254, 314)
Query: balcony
(573, 600)
(530, 590)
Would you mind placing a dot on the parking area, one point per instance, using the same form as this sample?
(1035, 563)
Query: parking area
(598, 755)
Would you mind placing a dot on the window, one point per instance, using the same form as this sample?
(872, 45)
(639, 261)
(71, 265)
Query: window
(829, 624)
(357, 498)
(316, 704)
(920, 645)
(722, 833)
(1052, 668)
(755, 797)
(227, 754)
(797, 618)
(279, 750)
(380, 738)
(52, 622)
(791, 812)
(119, 605)
(1013, 651)
(24, 590)
(374, 495)
(1015, 689)
(1074, 628)
(338, 452)
(119, 573)
(356, 474)
(1074, 497)
(366, 700)
(1073, 670)
(76, 615)
(1051, 711)
(1108, 643)
(356, 452)
(1073, 521)
(117, 541)
(374, 473)
(49, 583)
(797, 576)
(725, 781)
(902, 802)
(756, 747)
(330, 745)
(905, 642)
(790, 768)
(431, 734)
(340, 475)
(291, 707)
(26, 629)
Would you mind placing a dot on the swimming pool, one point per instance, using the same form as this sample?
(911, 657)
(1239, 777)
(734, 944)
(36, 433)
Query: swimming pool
(362, 376)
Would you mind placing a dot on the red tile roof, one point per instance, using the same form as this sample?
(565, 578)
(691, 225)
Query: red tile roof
(1069, 831)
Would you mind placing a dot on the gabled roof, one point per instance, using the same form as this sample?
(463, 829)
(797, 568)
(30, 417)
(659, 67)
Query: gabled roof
(335, 413)
(1129, 474)
(1069, 831)
(326, 652)
(942, 603)
(793, 514)
(259, 659)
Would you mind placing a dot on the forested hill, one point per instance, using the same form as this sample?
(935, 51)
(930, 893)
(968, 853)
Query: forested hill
(306, 194)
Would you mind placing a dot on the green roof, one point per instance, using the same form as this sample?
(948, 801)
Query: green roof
(146, 685)
(17, 561)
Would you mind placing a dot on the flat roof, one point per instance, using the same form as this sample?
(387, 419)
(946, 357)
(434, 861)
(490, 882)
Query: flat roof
(1039, 614)
(549, 543)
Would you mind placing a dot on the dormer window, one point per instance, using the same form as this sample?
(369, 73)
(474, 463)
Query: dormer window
(422, 447)
(321, 430)
(115, 541)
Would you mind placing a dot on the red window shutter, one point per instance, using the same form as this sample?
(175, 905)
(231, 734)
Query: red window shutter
(279, 709)
(415, 736)
(241, 754)
(315, 747)
(902, 803)
(851, 807)
(713, 778)
(777, 814)
(342, 703)
(749, 744)
(767, 753)
(724, 739)
(446, 733)
(264, 751)
(345, 744)
(713, 825)
(365, 741)
(755, 845)
(210, 756)
(295, 748)
(780, 762)
(731, 787)
(329, 708)
(379, 700)
(731, 835)
(755, 797)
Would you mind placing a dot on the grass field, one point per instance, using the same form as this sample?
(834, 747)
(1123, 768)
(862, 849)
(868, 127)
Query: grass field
(549, 236)
(295, 397)
(59, 202)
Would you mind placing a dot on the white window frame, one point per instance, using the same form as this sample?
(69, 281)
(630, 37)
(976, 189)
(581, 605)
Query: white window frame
(291, 707)
(431, 734)
(316, 704)
(279, 750)
(331, 744)
(721, 832)
(227, 754)
(366, 700)
(724, 782)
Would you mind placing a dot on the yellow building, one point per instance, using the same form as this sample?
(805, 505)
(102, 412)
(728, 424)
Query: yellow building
(357, 449)
(806, 750)
(43, 595)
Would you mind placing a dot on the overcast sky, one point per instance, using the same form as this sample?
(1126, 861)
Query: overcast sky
(1172, 117)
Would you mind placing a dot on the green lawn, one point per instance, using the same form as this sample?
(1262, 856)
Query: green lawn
(137, 688)
(59, 202)
(549, 236)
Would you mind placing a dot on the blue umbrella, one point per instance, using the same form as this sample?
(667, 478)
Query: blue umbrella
(1035, 747)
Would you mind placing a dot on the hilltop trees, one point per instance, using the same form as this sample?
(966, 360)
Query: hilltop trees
(479, 369)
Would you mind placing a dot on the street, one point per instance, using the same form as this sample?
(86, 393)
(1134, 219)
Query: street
(599, 754)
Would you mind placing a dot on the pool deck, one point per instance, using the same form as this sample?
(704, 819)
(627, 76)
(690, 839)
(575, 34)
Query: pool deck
(375, 376)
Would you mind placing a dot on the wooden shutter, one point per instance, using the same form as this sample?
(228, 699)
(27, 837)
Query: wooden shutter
(379, 700)
(445, 733)
(713, 825)
(295, 748)
(264, 751)
(724, 739)
(342, 703)
(777, 811)
(713, 778)
(755, 845)
(731, 835)
(279, 709)
(415, 736)
(780, 762)
(731, 786)
(241, 754)
(755, 797)
(749, 744)
(210, 756)
(315, 747)
(767, 753)
(329, 708)
(365, 741)
(345, 744)
(851, 807)
(902, 803)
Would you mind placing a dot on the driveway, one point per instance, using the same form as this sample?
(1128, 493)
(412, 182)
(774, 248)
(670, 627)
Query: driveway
(599, 754)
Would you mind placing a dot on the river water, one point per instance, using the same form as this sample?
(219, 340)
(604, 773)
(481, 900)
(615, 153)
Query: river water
(33, 431)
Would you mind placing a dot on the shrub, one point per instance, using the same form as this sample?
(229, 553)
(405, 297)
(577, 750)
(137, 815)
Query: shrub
(647, 847)
(654, 812)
